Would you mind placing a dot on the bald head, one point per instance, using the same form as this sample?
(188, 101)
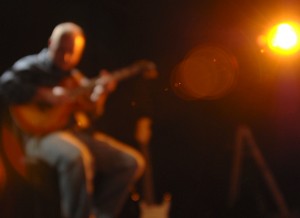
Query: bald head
(66, 45)
(67, 28)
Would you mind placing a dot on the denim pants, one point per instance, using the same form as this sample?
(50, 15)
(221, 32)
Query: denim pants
(79, 159)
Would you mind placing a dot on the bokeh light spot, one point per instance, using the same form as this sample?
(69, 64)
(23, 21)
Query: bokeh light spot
(207, 72)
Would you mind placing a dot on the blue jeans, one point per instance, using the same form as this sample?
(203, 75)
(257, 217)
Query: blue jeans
(80, 158)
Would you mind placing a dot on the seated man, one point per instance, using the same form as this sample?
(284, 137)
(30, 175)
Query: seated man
(40, 92)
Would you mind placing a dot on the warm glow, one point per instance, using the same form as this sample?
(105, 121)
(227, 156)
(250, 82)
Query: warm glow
(284, 38)
(3, 176)
(13, 151)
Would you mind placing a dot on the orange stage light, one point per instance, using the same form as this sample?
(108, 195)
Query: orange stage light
(283, 38)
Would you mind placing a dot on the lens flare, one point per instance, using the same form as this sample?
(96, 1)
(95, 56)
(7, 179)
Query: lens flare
(207, 72)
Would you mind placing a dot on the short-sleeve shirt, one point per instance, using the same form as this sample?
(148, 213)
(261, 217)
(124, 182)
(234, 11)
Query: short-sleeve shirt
(19, 83)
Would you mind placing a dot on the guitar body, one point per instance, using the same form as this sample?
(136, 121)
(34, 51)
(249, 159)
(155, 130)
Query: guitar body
(40, 120)
(155, 210)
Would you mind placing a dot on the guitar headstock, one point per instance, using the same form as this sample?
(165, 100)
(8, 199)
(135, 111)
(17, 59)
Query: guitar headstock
(146, 67)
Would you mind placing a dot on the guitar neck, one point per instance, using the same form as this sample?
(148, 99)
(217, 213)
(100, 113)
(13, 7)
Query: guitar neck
(118, 75)
(143, 136)
(148, 184)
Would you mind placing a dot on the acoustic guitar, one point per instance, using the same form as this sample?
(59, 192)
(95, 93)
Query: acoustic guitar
(40, 118)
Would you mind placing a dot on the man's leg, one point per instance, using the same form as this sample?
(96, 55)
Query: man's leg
(73, 163)
(119, 166)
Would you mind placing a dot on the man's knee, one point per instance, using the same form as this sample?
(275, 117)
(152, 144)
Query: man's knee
(71, 161)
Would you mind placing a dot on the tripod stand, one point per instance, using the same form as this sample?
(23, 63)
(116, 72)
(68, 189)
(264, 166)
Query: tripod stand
(244, 137)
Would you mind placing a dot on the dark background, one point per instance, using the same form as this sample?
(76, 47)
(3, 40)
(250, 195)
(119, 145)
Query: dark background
(193, 142)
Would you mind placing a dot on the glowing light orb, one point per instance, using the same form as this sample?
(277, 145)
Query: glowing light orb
(207, 72)
(284, 38)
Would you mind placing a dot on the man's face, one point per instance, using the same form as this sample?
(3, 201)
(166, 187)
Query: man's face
(66, 51)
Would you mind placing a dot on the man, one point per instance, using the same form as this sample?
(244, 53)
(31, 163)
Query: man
(48, 79)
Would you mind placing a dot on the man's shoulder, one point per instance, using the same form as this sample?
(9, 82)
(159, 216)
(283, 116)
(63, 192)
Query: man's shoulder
(25, 63)
(30, 62)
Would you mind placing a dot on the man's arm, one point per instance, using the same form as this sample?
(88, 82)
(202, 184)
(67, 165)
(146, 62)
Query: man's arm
(95, 101)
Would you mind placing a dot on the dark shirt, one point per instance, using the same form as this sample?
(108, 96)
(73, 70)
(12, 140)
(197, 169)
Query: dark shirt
(19, 83)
